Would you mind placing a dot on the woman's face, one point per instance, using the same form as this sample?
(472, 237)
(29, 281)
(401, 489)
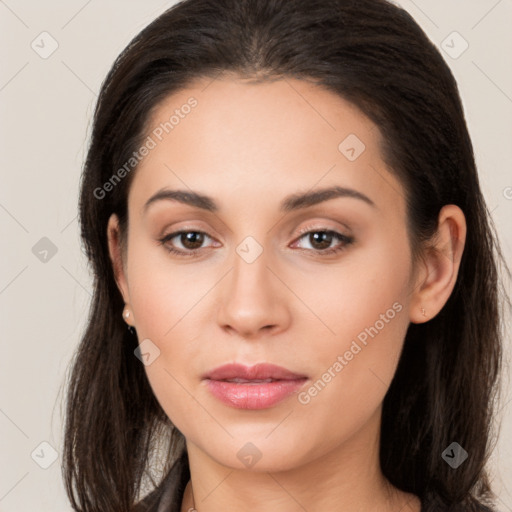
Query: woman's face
(256, 283)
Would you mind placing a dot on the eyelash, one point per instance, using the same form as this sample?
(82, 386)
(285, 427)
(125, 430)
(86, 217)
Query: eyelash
(191, 253)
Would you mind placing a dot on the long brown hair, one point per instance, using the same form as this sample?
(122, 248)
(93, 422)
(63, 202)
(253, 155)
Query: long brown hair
(373, 54)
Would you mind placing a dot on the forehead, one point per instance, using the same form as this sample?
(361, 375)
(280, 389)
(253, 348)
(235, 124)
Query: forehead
(230, 136)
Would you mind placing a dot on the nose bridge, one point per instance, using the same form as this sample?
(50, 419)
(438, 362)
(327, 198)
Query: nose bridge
(250, 273)
(250, 263)
(252, 250)
(250, 296)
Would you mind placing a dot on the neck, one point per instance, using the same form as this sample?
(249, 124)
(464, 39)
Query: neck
(344, 479)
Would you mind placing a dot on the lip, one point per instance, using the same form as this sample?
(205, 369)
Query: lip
(259, 371)
(250, 392)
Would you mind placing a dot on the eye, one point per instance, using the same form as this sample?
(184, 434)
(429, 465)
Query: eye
(322, 239)
(191, 241)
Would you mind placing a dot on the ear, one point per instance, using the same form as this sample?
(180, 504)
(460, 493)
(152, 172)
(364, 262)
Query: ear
(439, 266)
(118, 265)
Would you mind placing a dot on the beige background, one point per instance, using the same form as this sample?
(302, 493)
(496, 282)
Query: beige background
(45, 111)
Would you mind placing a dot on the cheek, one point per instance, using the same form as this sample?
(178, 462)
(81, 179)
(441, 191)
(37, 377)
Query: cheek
(166, 299)
(163, 297)
(365, 306)
(162, 293)
(367, 291)
(353, 374)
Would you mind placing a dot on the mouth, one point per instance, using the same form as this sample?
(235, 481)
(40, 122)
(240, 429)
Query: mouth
(257, 387)
(248, 381)
(259, 372)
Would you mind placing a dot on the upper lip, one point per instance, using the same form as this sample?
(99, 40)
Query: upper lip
(256, 372)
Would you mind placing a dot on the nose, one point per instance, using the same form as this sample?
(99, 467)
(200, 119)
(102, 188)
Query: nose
(253, 300)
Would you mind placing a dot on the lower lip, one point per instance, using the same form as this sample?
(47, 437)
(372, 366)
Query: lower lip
(259, 395)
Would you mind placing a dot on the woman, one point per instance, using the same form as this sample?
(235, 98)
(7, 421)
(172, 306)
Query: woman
(280, 202)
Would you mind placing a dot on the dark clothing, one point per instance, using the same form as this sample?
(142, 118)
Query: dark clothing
(169, 495)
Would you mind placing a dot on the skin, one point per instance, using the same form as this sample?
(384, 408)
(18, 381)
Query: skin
(248, 146)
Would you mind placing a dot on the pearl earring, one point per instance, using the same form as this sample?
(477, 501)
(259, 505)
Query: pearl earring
(126, 315)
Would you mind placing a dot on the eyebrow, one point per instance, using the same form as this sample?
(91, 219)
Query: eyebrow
(290, 203)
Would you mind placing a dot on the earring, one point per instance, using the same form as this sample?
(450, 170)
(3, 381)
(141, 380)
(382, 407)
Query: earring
(126, 315)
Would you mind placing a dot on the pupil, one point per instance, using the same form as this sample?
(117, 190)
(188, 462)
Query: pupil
(322, 234)
(194, 238)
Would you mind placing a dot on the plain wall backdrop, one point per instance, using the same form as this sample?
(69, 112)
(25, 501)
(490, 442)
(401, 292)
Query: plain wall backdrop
(54, 56)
